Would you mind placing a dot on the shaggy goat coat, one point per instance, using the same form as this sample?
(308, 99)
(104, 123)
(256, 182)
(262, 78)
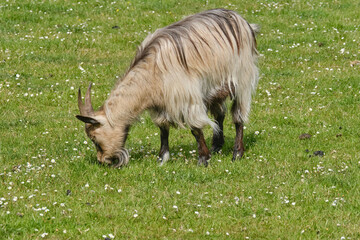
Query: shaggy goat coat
(178, 74)
(181, 69)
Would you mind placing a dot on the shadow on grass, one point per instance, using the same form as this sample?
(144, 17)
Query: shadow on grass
(186, 151)
(179, 152)
(227, 149)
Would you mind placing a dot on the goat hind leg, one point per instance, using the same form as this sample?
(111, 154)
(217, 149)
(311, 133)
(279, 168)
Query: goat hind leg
(218, 111)
(239, 144)
(204, 153)
(239, 126)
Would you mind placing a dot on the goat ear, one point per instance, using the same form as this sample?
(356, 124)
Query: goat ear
(90, 120)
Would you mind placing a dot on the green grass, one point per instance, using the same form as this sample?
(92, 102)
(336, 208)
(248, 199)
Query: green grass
(277, 191)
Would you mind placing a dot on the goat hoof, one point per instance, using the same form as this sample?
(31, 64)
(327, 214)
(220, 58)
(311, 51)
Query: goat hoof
(217, 145)
(216, 149)
(203, 160)
(163, 158)
(237, 154)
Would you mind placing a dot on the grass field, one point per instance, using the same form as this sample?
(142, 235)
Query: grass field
(51, 186)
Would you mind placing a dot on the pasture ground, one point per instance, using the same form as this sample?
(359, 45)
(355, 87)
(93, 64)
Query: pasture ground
(52, 188)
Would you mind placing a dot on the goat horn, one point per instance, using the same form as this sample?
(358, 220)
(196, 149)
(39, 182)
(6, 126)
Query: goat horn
(80, 103)
(88, 105)
(87, 109)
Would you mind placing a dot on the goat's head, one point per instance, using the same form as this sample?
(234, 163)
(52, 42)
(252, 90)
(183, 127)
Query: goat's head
(108, 140)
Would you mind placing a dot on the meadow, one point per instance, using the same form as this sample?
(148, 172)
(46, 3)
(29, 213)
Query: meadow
(286, 186)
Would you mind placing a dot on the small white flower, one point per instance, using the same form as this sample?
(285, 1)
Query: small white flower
(136, 215)
(44, 235)
(119, 190)
(81, 68)
(175, 207)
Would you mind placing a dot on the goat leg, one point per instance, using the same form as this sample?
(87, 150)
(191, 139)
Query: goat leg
(239, 145)
(218, 110)
(164, 154)
(218, 136)
(204, 153)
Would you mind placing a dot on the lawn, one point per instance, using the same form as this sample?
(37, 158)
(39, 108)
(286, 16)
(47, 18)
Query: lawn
(284, 187)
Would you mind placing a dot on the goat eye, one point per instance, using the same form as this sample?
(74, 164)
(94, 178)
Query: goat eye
(97, 146)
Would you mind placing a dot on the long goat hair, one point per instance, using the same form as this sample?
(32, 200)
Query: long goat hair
(193, 59)
(183, 70)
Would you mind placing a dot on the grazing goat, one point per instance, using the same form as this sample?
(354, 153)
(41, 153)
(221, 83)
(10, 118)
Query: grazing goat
(179, 73)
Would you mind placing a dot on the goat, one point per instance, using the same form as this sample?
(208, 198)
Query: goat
(179, 73)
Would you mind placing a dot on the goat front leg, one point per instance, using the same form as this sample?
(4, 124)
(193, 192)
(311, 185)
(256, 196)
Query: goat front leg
(239, 144)
(164, 154)
(204, 153)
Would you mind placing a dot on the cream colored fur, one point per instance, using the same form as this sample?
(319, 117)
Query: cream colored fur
(179, 92)
(178, 71)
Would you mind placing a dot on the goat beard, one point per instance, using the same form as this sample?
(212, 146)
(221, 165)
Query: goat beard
(120, 158)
